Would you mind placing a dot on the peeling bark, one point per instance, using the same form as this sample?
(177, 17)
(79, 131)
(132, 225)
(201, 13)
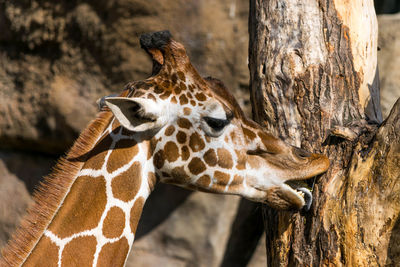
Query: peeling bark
(314, 82)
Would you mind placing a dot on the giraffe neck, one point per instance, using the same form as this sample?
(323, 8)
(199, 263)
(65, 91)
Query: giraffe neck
(95, 220)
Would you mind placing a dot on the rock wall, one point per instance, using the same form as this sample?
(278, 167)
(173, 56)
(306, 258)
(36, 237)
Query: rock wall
(56, 58)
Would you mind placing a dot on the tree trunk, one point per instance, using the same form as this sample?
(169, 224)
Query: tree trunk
(314, 82)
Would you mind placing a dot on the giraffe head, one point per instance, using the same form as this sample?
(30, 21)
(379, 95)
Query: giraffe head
(200, 138)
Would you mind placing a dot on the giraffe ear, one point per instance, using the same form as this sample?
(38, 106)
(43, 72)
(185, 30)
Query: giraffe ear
(137, 114)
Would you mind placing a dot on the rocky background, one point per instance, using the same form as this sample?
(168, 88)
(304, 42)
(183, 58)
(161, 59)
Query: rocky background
(58, 57)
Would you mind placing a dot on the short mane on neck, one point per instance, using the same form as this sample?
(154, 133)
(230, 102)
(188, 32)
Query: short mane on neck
(51, 192)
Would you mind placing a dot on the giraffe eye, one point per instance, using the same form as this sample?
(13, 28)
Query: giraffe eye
(216, 124)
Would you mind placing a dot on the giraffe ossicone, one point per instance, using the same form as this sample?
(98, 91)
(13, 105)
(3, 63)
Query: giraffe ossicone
(174, 127)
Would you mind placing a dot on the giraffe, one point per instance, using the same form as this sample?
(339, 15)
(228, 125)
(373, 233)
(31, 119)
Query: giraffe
(174, 127)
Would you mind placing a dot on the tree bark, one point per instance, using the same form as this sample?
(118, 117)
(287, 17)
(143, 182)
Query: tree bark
(315, 83)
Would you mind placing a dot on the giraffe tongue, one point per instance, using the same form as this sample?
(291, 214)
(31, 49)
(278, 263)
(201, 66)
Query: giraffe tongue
(303, 190)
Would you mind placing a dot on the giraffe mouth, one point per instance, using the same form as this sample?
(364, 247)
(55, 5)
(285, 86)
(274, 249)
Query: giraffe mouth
(300, 189)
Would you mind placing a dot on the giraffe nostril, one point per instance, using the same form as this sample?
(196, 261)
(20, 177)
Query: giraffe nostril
(301, 152)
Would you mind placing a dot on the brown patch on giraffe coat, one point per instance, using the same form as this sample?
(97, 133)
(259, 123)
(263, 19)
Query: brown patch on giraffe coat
(196, 166)
(184, 123)
(237, 180)
(183, 100)
(146, 85)
(181, 76)
(159, 159)
(210, 157)
(151, 96)
(173, 100)
(200, 97)
(222, 178)
(174, 78)
(187, 111)
(114, 223)
(166, 84)
(180, 174)
(126, 185)
(169, 131)
(182, 87)
(233, 135)
(189, 95)
(181, 137)
(45, 253)
(234, 138)
(179, 88)
(226, 139)
(171, 151)
(82, 207)
(122, 153)
(136, 211)
(254, 162)
(165, 95)
(204, 181)
(158, 89)
(152, 179)
(97, 155)
(196, 143)
(185, 154)
(79, 251)
(113, 254)
(270, 142)
(249, 134)
(139, 93)
(241, 160)
(224, 158)
(193, 103)
(152, 146)
(150, 149)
